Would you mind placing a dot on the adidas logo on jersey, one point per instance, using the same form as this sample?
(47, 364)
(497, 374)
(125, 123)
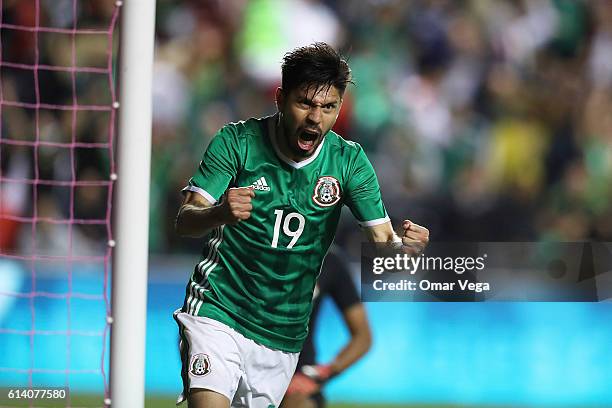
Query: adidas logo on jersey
(261, 185)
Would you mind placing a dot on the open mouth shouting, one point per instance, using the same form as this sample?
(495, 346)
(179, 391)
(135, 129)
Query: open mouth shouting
(308, 138)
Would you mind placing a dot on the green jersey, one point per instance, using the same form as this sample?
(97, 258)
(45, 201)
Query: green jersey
(258, 276)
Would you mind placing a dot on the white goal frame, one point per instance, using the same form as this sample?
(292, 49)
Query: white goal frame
(131, 212)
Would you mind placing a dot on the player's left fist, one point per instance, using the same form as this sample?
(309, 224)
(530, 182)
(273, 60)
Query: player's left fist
(415, 237)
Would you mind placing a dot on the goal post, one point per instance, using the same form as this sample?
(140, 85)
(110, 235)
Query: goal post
(131, 217)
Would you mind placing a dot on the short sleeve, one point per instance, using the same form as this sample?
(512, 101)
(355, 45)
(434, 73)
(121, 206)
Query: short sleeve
(219, 166)
(362, 192)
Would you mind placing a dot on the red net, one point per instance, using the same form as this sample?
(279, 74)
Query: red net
(57, 114)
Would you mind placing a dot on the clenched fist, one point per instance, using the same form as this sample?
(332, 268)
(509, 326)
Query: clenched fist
(236, 205)
(414, 238)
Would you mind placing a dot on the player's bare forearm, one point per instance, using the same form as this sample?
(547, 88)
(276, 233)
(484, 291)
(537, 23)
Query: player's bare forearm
(382, 233)
(413, 239)
(197, 216)
(361, 339)
(196, 221)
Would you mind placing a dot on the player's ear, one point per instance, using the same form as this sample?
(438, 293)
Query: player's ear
(280, 98)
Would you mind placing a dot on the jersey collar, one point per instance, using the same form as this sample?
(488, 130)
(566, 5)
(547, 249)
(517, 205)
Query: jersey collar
(296, 165)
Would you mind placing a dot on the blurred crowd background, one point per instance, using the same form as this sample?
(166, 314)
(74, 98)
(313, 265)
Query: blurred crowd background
(45, 143)
(485, 120)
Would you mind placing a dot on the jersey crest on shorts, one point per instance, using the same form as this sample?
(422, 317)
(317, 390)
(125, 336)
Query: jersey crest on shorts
(326, 191)
(200, 365)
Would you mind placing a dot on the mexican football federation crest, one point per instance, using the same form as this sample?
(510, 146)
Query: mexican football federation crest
(200, 365)
(326, 191)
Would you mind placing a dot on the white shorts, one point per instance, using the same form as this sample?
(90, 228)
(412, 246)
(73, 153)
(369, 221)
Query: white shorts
(218, 358)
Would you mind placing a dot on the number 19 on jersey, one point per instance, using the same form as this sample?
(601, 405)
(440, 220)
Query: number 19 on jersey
(295, 234)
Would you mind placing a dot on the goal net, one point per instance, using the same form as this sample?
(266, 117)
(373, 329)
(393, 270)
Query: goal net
(57, 171)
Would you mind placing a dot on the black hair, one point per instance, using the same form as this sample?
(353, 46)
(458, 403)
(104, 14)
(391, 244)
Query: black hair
(313, 66)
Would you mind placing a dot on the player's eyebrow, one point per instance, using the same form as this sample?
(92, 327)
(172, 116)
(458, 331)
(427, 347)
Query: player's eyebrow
(308, 94)
(310, 101)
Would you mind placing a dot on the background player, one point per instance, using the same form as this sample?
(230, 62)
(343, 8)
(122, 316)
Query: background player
(334, 281)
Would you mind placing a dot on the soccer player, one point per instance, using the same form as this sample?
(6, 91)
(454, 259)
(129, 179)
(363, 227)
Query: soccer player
(267, 197)
(334, 281)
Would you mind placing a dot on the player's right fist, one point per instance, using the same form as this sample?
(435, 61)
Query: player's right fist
(236, 205)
